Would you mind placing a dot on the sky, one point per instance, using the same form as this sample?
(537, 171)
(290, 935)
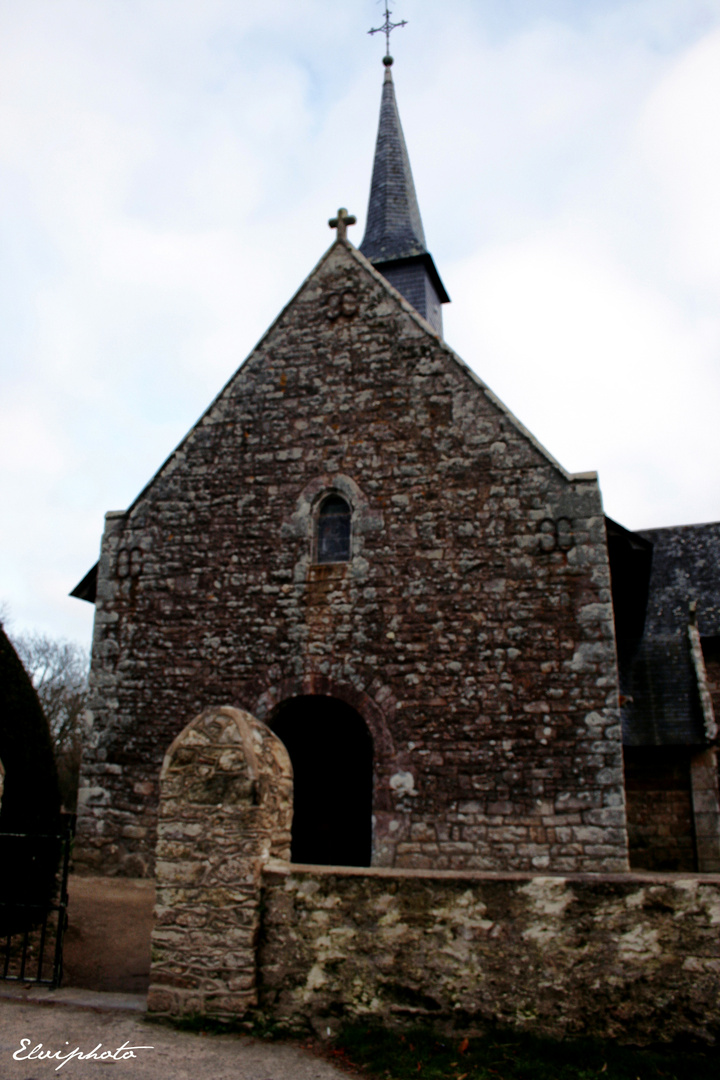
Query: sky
(167, 171)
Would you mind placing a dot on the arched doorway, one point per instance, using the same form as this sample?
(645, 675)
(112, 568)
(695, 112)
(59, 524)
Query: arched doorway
(331, 752)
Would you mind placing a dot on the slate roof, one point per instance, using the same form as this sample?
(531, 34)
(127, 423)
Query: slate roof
(662, 704)
(686, 566)
(394, 240)
(393, 229)
(87, 588)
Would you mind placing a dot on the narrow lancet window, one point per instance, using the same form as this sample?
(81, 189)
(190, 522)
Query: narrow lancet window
(333, 534)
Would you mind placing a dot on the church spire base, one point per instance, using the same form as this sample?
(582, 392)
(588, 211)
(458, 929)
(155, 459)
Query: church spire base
(394, 240)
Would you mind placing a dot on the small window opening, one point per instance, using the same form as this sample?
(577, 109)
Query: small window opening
(333, 536)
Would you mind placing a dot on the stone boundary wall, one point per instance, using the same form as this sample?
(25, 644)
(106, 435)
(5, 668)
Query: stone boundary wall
(239, 929)
(628, 956)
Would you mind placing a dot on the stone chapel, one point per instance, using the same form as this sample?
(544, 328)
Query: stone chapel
(359, 545)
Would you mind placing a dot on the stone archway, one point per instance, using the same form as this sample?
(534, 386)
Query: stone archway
(331, 751)
(225, 809)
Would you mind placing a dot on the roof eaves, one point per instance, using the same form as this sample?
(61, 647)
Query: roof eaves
(408, 260)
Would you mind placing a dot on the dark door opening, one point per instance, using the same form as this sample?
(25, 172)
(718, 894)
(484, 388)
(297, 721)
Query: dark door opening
(331, 752)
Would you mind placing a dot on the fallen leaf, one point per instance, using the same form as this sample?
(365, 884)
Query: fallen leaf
(464, 1045)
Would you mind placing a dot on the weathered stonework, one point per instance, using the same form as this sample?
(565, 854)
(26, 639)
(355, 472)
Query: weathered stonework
(634, 957)
(225, 809)
(706, 809)
(658, 791)
(240, 931)
(472, 627)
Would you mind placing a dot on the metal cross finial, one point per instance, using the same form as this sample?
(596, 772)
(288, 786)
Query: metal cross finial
(386, 29)
(341, 222)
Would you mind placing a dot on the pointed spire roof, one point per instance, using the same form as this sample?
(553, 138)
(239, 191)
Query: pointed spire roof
(394, 229)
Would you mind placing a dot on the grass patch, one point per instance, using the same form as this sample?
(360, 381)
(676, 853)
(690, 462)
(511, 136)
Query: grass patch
(423, 1055)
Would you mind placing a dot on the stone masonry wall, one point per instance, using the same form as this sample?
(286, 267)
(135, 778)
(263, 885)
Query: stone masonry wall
(634, 957)
(225, 808)
(472, 628)
(239, 931)
(659, 808)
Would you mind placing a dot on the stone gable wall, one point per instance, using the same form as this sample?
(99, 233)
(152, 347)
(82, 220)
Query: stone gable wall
(472, 628)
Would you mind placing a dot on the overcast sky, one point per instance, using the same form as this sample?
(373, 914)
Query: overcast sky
(167, 169)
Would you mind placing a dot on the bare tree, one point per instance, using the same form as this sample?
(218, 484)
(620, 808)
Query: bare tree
(59, 672)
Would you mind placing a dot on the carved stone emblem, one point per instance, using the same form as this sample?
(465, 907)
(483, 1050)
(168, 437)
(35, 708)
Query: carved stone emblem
(341, 303)
(555, 535)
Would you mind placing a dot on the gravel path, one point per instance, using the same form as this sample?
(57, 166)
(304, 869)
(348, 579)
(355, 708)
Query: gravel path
(175, 1055)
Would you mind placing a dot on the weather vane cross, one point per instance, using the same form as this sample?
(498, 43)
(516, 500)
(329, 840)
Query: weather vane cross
(387, 28)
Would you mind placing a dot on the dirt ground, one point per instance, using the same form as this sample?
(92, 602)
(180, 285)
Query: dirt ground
(107, 949)
(168, 1054)
(107, 945)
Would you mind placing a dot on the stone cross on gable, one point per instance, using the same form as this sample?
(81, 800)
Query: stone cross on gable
(341, 222)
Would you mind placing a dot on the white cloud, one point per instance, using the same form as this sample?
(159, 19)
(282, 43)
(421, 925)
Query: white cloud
(167, 169)
(608, 373)
(26, 443)
(679, 140)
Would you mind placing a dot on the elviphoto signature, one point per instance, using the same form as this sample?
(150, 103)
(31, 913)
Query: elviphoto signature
(98, 1054)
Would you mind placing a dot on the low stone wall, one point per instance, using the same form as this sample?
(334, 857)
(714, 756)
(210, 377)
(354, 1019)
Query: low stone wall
(631, 956)
(239, 929)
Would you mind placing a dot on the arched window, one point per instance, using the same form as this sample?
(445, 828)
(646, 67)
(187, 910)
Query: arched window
(333, 530)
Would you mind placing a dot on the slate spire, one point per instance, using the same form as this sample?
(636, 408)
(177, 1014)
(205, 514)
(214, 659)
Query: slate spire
(394, 229)
(394, 239)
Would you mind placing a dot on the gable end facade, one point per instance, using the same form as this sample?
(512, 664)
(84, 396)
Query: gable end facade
(470, 627)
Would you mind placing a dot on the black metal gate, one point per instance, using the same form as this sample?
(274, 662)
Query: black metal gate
(33, 904)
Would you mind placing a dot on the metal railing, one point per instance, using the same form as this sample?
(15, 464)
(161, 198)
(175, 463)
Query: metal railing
(33, 904)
